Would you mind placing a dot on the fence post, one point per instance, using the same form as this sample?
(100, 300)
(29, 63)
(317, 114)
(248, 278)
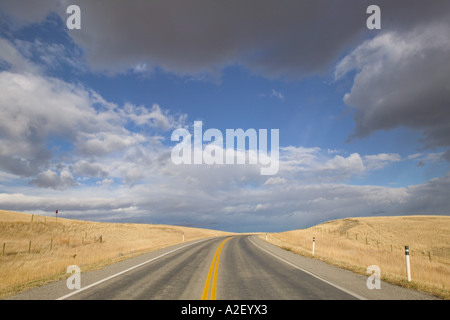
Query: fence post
(408, 269)
(29, 246)
(3, 251)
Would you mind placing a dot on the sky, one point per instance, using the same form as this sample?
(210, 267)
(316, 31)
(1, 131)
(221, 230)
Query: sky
(87, 114)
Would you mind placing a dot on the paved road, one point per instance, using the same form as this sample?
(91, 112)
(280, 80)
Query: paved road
(249, 272)
(240, 267)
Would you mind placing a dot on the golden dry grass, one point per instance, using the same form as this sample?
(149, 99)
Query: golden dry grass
(57, 244)
(356, 243)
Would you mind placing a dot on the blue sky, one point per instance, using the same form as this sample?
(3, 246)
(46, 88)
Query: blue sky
(363, 115)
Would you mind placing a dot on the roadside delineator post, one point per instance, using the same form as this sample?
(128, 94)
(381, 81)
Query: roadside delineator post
(314, 242)
(408, 269)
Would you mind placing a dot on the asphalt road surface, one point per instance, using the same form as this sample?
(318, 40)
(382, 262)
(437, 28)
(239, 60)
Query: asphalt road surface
(242, 267)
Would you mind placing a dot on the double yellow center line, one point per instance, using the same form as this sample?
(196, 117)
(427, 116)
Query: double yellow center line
(213, 268)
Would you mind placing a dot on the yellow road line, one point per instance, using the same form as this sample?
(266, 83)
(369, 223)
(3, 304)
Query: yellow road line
(214, 266)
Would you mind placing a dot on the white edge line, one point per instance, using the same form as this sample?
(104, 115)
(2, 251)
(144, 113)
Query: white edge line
(312, 274)
(124, 271)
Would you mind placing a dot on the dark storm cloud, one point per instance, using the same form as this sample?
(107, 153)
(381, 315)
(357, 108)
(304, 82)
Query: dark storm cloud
(402, 80)
(273, 38)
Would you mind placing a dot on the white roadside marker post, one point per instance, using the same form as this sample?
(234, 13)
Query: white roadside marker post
(408, 269)
(314, 242)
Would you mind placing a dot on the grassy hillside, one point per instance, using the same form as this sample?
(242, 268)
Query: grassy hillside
(356, 243)
(35, 249)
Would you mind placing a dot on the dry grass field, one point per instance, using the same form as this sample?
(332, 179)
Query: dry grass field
(36, 249)
(356, 243)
